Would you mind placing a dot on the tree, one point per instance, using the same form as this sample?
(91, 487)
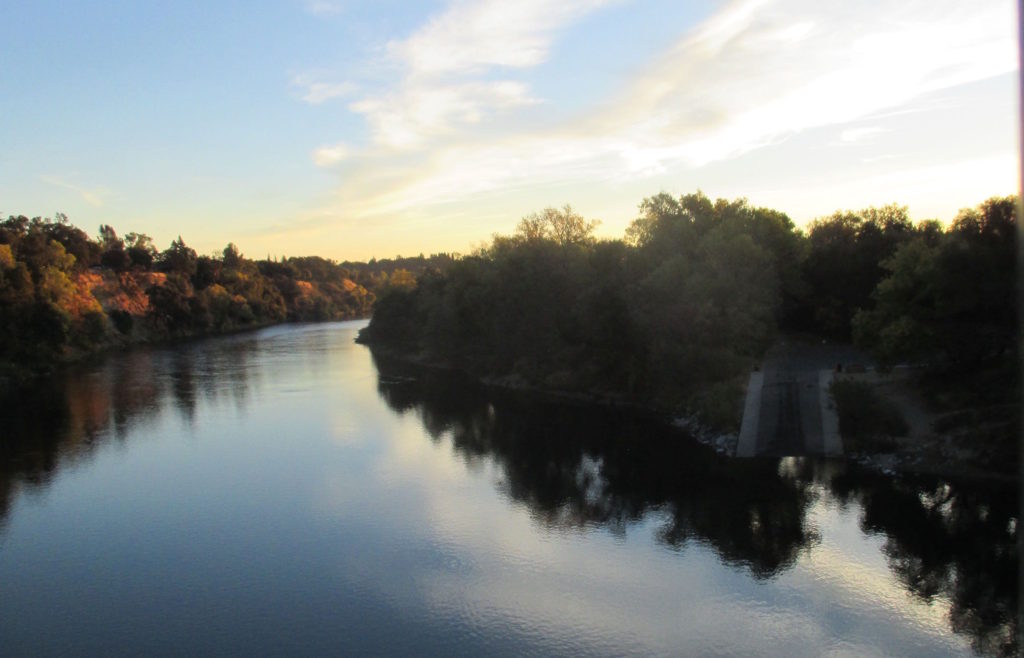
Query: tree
(662, 222)
(75, 241)
(231, 256)
(687, 305)
(533, 227)
(141, 250)
(902, 324)
(170, 307)
(179, 258)
(401, 279)
(844, 262)
(565, 226)
(949, 300)
(113, 255)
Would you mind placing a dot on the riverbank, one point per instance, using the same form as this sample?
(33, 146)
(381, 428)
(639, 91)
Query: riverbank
(978, 442)
(722, 441)
(935, 442)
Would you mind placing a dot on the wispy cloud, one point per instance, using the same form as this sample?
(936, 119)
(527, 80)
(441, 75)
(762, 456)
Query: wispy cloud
(411, 116)
(857, 135)
(753, 74)
(328, 156)
(323, 8)
(473, 37)
(93, 197)
(454, 71)
(746, 78)
(315, 91)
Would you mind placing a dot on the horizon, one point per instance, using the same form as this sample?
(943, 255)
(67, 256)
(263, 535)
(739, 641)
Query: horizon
(355, 132)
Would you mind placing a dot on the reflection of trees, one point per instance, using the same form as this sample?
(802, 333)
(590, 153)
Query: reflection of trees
(576, 466)
(211, 371)
(66, 418)
(580, 466)
(28, 451)
(948, 540)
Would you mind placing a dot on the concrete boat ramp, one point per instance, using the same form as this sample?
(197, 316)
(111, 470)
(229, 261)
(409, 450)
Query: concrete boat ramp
(788, 410)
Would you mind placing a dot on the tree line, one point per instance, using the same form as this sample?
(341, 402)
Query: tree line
(673, 313)
(65, 294)
(676, 312)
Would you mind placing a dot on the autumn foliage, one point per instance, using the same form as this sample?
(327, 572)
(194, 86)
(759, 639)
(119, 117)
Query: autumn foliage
(64, 294)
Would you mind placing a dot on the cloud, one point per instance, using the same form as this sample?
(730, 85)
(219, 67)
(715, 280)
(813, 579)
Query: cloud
(473, 37)
(93, 197)
(410, 116)
(856, 135)
(323, 8)
(454, 71)
(753, 74)
(315, 91)
(746, 78)
(880, 158)
(327, 156)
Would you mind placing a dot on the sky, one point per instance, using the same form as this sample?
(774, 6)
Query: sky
(353, 130)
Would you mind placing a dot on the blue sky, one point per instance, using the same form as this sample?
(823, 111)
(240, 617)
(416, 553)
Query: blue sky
(359, 129)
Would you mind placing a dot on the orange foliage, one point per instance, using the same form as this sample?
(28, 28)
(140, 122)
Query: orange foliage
(82, 300)
(120, 292)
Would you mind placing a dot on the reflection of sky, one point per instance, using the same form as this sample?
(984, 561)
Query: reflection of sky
(314, 517)
(594, 592)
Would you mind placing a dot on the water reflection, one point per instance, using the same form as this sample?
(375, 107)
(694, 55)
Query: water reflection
(580, 467)
(576, 469)
(944, 540)
(65, 419)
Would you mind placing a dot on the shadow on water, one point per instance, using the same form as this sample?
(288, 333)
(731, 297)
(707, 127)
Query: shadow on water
(578, 466)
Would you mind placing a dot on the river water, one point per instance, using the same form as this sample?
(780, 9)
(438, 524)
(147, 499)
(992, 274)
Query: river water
(286, 492)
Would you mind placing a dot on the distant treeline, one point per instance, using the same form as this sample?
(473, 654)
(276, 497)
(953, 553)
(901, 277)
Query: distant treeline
(676, 313)
(64, 294)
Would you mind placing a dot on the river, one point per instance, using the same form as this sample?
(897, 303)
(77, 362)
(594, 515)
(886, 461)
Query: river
(287, 492)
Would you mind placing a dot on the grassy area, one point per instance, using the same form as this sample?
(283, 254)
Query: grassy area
(867, 422)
